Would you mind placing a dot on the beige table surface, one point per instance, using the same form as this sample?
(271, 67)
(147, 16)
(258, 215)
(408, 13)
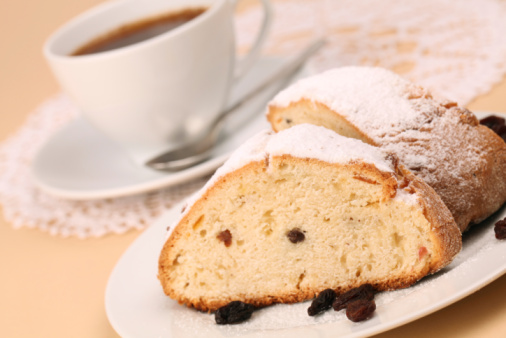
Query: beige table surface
(54, 287)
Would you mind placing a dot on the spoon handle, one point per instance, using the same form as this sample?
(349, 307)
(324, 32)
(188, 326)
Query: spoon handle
(197, 151)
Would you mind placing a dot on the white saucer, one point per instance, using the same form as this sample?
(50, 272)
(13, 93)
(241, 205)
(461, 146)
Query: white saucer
(78, 162)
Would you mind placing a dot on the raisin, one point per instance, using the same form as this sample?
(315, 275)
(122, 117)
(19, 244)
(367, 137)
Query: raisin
(365, 291)
(501, 131)
(500, 229)
(226, 237)
(360, 309)
(495, 123)
(234, 312)
(322, 303)
(295, 235)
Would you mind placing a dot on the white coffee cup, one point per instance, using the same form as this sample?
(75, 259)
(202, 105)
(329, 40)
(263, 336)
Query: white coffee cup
(152, 95)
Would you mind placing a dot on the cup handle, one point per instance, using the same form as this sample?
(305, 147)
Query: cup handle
(243, 65)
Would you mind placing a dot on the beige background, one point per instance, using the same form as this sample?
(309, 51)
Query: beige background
(54, 287)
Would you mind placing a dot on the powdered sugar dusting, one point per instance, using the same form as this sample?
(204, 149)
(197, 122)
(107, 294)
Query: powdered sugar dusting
(406, 197)
(372, 98)
(310, 141)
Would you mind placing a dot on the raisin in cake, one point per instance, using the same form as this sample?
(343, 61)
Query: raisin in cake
(440, 142)
(294, 213)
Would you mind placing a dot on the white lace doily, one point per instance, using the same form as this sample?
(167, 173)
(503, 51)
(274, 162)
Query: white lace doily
(456, 48)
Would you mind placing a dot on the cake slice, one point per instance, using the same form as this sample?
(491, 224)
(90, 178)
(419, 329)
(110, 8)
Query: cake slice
(464, 162)
(294, 213)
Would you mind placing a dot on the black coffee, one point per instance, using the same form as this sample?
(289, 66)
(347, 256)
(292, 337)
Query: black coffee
(138, 31)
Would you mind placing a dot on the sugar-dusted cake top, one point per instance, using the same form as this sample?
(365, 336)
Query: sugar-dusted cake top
(375, 99)
(311, 141)
(305, 141)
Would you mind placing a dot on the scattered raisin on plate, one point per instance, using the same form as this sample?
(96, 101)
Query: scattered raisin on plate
(365, 291)
(233, 313)
(358, 302)
(322, 303)
(500, 229)
(360, 309)
(496, 123)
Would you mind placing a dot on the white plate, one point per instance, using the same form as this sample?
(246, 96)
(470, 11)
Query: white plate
(78, 162)
(137, 307)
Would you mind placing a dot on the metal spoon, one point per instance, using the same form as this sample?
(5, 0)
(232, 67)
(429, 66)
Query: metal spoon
(198, 150)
